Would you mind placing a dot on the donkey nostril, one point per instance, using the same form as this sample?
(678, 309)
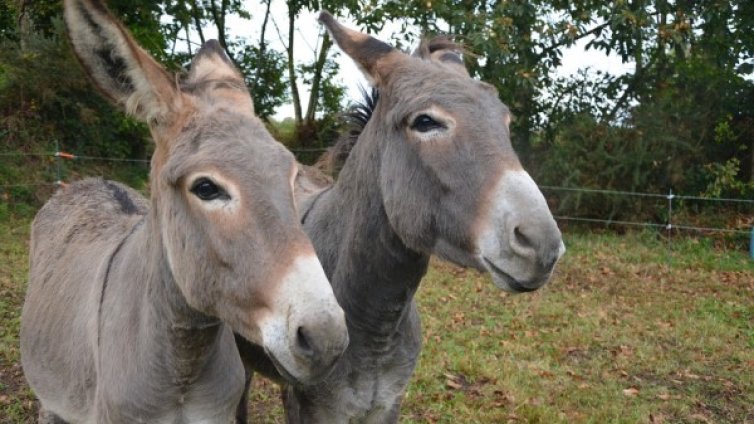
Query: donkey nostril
(521, 239)
(303, 342)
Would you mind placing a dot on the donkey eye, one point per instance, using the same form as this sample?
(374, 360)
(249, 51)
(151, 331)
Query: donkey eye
(206, 190)
(425, 123)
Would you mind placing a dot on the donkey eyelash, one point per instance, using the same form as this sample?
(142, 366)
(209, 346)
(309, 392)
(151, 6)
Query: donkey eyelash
(425, 123)
(207, 190)
(430, 124)
(214, 192)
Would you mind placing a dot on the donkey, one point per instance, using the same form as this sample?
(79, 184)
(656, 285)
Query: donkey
(132, 304)
(432, 172)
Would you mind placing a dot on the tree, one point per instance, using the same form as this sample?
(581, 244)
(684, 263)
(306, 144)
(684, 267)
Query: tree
(318, 74)
(514, 45)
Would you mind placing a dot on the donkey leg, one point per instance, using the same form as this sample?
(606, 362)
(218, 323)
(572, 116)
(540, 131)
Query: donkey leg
(385, 416)
(242, 410)
(391, 417)
(290, 405)
(47, 417)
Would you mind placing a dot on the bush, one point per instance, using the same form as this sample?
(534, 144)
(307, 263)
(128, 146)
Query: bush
(691, 134)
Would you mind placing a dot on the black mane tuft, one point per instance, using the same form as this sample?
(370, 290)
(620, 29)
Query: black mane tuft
(355, 119)
(359, 113)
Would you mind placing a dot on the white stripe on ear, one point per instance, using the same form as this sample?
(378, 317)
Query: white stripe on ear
(117, 65)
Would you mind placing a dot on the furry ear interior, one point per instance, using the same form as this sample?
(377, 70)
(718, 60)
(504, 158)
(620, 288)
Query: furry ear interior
(123, 71)
(374, 57)
(218, 77)
(443, 50)
(211, 63)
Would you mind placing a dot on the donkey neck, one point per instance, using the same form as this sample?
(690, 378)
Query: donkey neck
(374, 275)
(170, 332)
(167, 301)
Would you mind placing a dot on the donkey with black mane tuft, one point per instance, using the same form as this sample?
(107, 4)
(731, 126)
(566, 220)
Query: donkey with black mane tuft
(132, 303)
(432, 172)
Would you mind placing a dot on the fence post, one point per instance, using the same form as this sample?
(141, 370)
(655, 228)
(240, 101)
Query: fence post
(58, 176)
(669, 225)
(751, 243)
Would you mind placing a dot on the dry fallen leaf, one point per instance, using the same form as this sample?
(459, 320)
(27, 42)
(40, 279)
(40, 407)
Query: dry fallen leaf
(700, 417)
(455, 382)
(656, 418)
(453, 385)
(631, 391)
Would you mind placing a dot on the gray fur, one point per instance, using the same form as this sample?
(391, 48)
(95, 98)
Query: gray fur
(398, 200)
(132, 303)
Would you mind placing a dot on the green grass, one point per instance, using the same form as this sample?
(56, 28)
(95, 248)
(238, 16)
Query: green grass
(618, 336)
(625, 333)
(16, 400)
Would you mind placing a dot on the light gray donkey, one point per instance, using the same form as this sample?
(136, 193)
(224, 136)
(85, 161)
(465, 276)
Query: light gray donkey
(432, 172)
(132, 304)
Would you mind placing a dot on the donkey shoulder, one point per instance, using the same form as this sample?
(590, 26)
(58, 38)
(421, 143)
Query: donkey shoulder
(90, 209)
(309, 182)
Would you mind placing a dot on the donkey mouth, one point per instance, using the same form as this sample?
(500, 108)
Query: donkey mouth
(290, 378)
(512, 283)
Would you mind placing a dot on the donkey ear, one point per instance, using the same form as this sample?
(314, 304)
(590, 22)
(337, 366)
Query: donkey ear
(375, 58)
(117, 65)
(211, 62)
(443, 50)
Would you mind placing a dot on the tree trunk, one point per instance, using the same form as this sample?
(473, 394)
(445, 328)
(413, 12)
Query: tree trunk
(188, 41)
(292, 67)
(219, 17)
(263, 42)
(319, 67)
(197, 21)
(24, 22)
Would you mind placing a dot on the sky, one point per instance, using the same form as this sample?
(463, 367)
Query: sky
(308, 37)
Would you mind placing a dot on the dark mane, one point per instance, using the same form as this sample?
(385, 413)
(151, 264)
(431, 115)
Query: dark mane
(355, 118)
(359, 113)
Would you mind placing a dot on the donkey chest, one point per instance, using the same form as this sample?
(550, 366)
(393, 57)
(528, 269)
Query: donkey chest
(379, 370)
(199, 413)
(153, 396)
(189, 408)
(373, 392)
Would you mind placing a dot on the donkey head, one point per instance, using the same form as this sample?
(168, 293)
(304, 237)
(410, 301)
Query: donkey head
(223, 214)
(450, 181)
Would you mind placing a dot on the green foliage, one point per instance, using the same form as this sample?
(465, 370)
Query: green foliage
(725, 182)
(587, 153)
(7, 21)
(657, 148)
(683, 119)
(47, 102)
(265, 75)
(46, 97)
(328, 105)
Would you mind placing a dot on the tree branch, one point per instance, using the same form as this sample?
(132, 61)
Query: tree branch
(197, 20)
(630, 89)
(317, 79)
(291, 65)
(547, 50)
(219, 18)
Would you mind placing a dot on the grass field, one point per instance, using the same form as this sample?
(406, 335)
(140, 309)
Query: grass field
(624, 333)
